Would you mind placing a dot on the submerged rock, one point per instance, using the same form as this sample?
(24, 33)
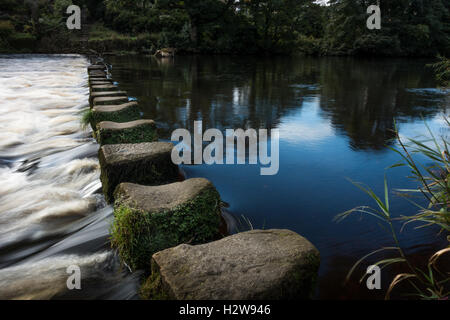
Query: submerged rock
(258, 264)
(128, 132)
(96, 74)
(124, 112)
(103, 98)
(146, 163)
(152, 218)
(165, 52)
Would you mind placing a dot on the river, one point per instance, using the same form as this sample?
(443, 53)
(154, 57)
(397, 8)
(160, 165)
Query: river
(335, 117)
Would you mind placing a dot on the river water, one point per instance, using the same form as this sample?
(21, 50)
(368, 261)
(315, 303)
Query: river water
(51, 214)
(335, 117)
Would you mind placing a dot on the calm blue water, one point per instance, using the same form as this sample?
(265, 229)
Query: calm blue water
(335, 117)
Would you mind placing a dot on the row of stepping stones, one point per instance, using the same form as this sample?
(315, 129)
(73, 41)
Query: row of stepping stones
(171, 228)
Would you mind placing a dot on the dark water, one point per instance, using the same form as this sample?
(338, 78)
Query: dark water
(335, 117)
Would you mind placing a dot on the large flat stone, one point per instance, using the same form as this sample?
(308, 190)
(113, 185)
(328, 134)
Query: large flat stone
(103, 87)
(152, 218)
(126, 132)
(124, 112)
(146, 163)
(109, 97)
(258, 264)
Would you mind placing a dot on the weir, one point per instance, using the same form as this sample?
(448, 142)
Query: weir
(163, 224)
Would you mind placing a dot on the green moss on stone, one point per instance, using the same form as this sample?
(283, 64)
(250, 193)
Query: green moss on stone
(138, 134)
(138, 235)
(141, 172)
(305, 278)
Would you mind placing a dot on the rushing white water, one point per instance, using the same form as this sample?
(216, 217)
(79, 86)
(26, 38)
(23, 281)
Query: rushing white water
(51, 214)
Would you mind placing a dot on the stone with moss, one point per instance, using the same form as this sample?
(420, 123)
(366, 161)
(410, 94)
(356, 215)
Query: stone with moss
(148, 219)
(127, 132)
(147, 163)
(96, 73)
(108, 97)
(103, 88)
(258, 264)
(99, 83)
(96, 67)
(124, 112)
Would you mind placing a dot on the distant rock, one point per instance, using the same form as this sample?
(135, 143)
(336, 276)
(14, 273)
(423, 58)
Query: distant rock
(96, 67)
(152, 218)
(258, 264)
(146, 163)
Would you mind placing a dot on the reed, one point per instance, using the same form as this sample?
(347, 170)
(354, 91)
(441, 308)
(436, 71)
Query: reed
(433, 184)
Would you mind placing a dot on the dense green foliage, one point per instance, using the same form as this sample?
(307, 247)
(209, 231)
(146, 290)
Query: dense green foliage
(409, 27)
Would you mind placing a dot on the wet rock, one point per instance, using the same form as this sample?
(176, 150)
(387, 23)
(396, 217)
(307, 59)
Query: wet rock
(103, 88)
(93, 79)
(124, 112)
(108, 97)
(96, 67)
(152, 218)
(129, 132)
(96, 73)
(99, 83)
(165, 52)
(146, 163)
(258, 264)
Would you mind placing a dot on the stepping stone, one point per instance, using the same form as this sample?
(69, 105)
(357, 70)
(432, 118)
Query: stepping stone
(128, 132)
(116, 113)
(99, 83)
(254, 265)
(103, 88)
(96, 67)
(107, 94)
(96, 73)
(146, 163)
(148, 219)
